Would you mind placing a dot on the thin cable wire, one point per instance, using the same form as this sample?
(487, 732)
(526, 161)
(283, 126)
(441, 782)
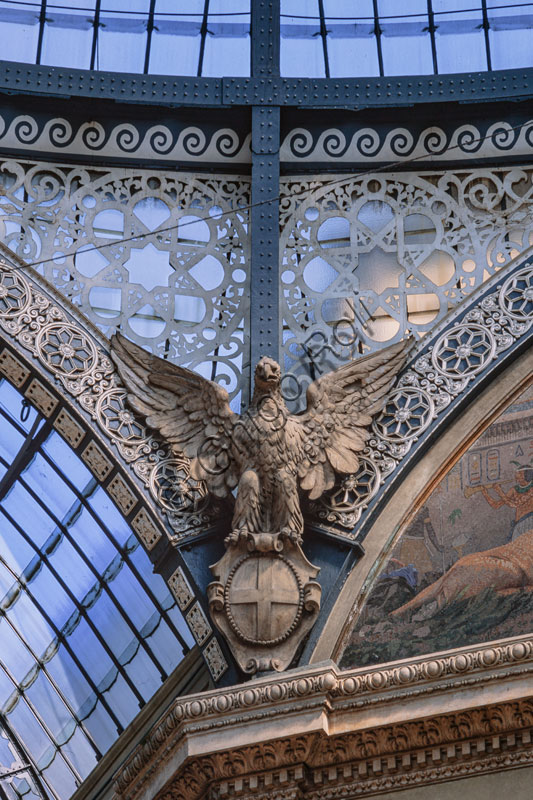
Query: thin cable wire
(127, 12)
(407, 16)
(277, 198)
(247, 13)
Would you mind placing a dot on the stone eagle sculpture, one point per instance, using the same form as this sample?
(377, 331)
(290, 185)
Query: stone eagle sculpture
(267, 452)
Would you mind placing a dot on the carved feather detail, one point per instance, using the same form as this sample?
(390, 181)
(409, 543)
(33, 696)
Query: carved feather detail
(267, 451)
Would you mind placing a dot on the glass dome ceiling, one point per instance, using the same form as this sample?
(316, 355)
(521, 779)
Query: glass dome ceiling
(319, 38)
(88, 631)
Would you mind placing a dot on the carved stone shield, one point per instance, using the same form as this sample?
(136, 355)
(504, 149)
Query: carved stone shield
(264, 601)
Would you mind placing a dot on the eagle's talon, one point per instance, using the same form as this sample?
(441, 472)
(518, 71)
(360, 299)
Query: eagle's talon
(292, 536)
(235, 537)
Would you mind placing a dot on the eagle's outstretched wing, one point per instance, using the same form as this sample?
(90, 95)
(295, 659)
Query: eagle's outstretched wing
(340, 407)
(191, 413)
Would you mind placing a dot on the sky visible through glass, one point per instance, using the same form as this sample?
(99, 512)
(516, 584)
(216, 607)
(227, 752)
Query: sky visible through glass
(88, 632)
(319, 38)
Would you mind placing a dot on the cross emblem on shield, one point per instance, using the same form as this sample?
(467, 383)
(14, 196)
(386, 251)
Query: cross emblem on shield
(264, 599)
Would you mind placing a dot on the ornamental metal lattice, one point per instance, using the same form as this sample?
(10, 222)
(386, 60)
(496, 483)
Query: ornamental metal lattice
(366, 261)
(178, 287)
(438, 375)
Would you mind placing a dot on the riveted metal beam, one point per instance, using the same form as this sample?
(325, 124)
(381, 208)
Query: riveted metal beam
(378, 92)
(265, 87)
(264, 284)
(119, 86)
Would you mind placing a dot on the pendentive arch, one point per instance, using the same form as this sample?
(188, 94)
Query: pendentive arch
(467, 396)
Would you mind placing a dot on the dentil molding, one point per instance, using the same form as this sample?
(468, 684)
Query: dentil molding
(323, 733)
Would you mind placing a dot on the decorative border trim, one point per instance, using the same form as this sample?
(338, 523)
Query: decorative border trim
(325, 691)
(125, 141)
(369, 145)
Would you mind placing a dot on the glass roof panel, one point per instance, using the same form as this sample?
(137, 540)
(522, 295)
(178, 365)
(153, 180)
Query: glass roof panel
(330, 38)
(68, 34)
(88, 632)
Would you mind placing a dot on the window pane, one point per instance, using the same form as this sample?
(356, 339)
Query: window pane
(68, 34)
(122, 37)
(459, 36)
(302, 51)
(19, 31)
(402, 36)
(175, 48)
(227, 47)
(352, 45)
(509, 34)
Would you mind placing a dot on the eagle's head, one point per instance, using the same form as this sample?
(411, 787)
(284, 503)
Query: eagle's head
(267, 374)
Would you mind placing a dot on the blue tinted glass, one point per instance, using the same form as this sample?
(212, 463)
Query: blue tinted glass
(227, 44)
(163, 644)
(459, 36)
(11, 442)
(301, 44)
(144, 674)
(130, 595)
(510, 31)
(113, 628)
(51, 597)
(122, 37)
(79, 753)
(175, 46)
(108, 512)
(49, 487)
(352, 45)
(91, 653)
(74, 612)
(101, 727)
(34, 629)
(11, 402)
(405, 35)
(16, 657)
(68, 34)
(67, 461)
(29, 729)
(60, 776)
(27, 513)
(19, 31)
(16, 552)
(125, 704)
(90, 537)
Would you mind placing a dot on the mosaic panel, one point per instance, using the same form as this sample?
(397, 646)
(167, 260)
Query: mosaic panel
(462, 572)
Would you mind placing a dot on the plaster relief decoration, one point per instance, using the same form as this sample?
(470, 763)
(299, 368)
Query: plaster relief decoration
(265, 597)
(462, 572)
(367, 260)
(164, 257)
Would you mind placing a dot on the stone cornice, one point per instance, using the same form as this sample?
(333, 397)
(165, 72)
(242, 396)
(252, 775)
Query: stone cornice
(318, 718)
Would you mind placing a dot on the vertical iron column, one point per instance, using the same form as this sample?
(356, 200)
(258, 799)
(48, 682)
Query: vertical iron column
(264, 279)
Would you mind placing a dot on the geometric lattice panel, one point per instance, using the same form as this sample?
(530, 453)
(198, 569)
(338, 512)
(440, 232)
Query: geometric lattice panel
(181, 293)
